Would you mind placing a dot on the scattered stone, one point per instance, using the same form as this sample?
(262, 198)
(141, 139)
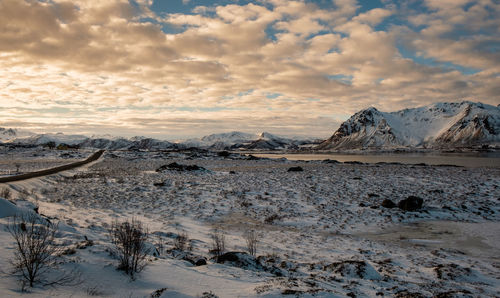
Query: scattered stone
(353, 268)
(208, 295)
(295, 169)
(388, 204)
(373, 195)
(453, 294)
(84, 244)
(292, 292)
(412, 203)
(451, 271)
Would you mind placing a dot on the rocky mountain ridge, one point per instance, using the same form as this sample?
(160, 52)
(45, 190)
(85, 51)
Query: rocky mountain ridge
(436, 126)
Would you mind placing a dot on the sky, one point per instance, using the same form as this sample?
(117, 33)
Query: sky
(174, 69)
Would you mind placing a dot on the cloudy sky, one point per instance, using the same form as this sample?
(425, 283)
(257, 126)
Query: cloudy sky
(182, 68)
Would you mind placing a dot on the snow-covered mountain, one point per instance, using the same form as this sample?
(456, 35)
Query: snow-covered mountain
(58, 138)
(267, 141)
(440, 125)
(245, 141)
(8, 134)
(220, 140)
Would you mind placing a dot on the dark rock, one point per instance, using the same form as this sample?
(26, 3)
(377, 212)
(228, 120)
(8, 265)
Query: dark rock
(373, 195)
(190, 257)
(158, 293)
(353, 162)
(362, 204)
(247, 261)
(178, 167)
(295, 169)
(223, 153)
(388, 204)
(330, 161)
(408, 294)
(412, 203)
(232, 172)
(242, 258)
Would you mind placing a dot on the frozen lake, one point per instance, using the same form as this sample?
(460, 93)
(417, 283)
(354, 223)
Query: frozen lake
(457, 159)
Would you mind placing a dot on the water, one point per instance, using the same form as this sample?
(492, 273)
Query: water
(457, 159)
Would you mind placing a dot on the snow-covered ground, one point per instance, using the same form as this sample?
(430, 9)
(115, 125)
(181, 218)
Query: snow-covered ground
(322, 231)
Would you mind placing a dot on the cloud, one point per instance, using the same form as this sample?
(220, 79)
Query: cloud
(116, 63)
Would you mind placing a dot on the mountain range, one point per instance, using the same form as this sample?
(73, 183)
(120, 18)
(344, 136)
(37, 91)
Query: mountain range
(436, 126)
(223, 141)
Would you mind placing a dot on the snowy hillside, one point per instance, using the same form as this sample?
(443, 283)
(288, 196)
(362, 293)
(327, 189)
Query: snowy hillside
(440, 125)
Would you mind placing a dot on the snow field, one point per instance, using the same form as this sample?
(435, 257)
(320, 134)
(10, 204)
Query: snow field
(323, 227)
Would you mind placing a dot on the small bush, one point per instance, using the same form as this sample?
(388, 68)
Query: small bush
(129, 238)
(5, 193)
(218, 243)
(251, 239)
(181, 241)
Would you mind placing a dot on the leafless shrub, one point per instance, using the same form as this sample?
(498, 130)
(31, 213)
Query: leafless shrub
(5, 193)
(181, 241)
(129, 238)
(251, 238)
(218, 242)
(22, 196)
(95, 291)
(160, 244)
(36, 254)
